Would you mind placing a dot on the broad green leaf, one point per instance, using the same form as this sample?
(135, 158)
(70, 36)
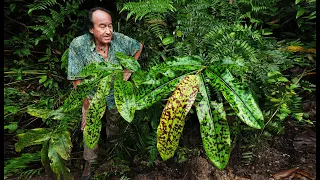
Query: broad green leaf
(239, 97)
(124, 97)
(57, 164)
(298, 1)
(11, 127)
(11, 109)
(32, 137)
(214, 128)
(179, 33)
(282, 79)
(128, 62)
(173, 115)
(300, 12)
(167, 40)
(43, 79)
(95, 112)
(62, 144)
(12, 7)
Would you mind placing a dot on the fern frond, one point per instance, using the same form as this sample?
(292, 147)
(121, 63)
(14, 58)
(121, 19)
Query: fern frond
(18, 164)
(142, 8)
(42, 5)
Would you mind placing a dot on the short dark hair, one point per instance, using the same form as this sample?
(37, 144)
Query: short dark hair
(89, 21)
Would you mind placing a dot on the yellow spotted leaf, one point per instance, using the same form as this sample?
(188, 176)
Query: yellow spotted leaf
(173, 116)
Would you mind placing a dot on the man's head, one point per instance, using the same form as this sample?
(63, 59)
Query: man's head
(100, 25)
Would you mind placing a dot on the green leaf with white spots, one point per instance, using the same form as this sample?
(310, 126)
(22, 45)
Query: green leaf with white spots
(239, 97)
(173, 116)
(32, 137)
(124, 97)
(128, 62)
(214, 128)
(57, 164)
(95, 112)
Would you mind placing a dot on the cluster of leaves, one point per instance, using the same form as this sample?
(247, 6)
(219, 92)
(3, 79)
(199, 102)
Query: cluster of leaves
(223, 42)
(36, 35)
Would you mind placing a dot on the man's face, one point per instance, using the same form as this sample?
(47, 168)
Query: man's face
(102, 27)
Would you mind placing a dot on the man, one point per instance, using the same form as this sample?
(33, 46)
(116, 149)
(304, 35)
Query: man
(100, 44)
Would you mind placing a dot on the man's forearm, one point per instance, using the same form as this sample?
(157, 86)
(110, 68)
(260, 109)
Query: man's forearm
(137, 54)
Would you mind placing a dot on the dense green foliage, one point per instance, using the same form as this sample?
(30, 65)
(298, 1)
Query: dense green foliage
(246, 54)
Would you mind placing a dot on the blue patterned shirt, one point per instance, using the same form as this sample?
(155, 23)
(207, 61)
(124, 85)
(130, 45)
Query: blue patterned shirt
(82, 51)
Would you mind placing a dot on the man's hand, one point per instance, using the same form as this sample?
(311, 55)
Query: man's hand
(126, 74)
(75, 83)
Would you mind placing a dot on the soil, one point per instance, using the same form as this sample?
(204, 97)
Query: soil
(288, 156)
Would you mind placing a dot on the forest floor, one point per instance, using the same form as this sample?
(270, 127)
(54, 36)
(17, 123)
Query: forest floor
(288, 156)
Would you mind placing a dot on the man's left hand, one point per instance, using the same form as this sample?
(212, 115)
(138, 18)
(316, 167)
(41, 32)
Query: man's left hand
(126, 74)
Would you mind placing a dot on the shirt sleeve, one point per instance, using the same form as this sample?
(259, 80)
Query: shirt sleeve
(75, 62)
(131, 45)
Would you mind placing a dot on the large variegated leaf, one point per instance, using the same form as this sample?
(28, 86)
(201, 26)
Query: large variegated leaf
(124, 97)
(173, 115)
(101, 69)
(163, 78)
(62, 144)
(57, 164)
(214, 128)
(95, 72)
(95, 112)
(157, 94)
(128, 62)
(239, 97)
(39, 113)
(32, 137)
(76, 98)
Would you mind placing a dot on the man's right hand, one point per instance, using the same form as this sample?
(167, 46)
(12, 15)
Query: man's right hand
(75, 83)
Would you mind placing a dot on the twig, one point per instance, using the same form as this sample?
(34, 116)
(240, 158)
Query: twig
(35, 52)
(17, 22)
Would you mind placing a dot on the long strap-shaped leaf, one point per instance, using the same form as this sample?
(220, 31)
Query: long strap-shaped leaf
(239, 98)
(163, 78)
(124, 97)
(75, 99)
(95, 112)
(157, 94)
(214, 128)
(128, 62)
(173, 115)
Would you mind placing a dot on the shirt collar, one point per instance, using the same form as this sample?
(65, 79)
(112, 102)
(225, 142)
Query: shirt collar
(92, 44)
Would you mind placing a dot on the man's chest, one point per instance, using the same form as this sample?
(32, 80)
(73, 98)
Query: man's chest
(108, 56)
